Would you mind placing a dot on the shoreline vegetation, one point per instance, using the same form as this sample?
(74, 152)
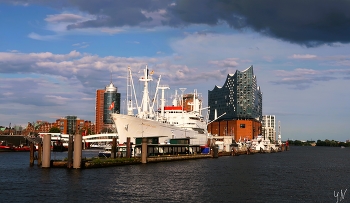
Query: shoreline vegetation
(326, 142)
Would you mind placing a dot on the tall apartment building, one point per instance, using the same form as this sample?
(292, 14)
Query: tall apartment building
(105, 99)
(239, 101)
(269, 127)
(99, 110)
(111, 104)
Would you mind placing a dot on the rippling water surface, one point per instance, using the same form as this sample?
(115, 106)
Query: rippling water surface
(303, 174)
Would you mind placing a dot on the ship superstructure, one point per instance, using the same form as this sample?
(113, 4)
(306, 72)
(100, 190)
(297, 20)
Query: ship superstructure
(166, 121)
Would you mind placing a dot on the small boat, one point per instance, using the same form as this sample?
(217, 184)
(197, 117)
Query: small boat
(106, 152)
(21, 148)
(4, 147)
(342, 147)
(98, 145)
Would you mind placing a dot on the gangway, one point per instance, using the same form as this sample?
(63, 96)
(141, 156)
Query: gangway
(99, 140)
(106, 137)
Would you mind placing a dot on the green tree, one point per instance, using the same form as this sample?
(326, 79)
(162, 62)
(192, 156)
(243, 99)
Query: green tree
(298, 143)
(54, 130)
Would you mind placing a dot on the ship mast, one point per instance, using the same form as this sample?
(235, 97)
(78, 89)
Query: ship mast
(155, 96)
(145, 99)
(129, 93)
(279, 133)
(162, 104)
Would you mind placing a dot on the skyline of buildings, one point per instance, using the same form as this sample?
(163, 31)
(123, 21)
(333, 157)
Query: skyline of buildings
(107, 101)
(240, 98)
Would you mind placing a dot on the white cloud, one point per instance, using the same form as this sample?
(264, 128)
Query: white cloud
(42, 37)
(229, 62)
(304, 56)
(155, 17)
(64, 17)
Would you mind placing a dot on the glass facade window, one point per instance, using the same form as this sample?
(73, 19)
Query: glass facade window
(239, 98)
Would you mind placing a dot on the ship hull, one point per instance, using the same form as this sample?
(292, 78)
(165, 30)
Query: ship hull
(130, 126)
(5, 149)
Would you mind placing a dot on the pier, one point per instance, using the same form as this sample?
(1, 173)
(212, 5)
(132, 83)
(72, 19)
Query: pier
(146, 150)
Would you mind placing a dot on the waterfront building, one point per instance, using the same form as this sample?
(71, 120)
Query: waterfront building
(107, 101)
(111, 104)
(38, 126)
(67, 125)
(70, 125)
(236, 107)
(15, 130)
(269, 127)
(99, 110)
(188, 102)
(239, 98)
(89, 128)
(238, 129)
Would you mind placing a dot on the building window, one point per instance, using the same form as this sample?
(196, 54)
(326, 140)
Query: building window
(242, 125)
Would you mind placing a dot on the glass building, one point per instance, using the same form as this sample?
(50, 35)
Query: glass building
(239, 98)
(111, 99)
(71, 124)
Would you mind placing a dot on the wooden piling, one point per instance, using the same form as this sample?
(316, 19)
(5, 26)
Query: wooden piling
(70, 152)
(144, 151)
(31, 154)
(40, 153)
(128, 148)
(114, 148)
(77, 151)
(215, 152)
(46, 151)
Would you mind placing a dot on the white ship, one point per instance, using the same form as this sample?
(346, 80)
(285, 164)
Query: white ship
(167, 122)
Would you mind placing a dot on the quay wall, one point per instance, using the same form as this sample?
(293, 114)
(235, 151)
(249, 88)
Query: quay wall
(120, 162)
(176, 158)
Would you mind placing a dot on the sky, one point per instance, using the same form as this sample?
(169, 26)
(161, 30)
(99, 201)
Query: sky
(55, 54)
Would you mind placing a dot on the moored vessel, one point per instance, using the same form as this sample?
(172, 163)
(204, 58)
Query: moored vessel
(167, 121)
(4, 147)
(22, 148)
(107, 152)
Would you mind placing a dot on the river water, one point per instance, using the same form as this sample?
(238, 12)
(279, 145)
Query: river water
(303, 174)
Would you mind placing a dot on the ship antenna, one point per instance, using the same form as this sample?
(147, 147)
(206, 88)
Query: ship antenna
(111, 75)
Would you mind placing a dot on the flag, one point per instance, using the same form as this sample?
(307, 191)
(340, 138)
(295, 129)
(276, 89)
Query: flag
(111, 106)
